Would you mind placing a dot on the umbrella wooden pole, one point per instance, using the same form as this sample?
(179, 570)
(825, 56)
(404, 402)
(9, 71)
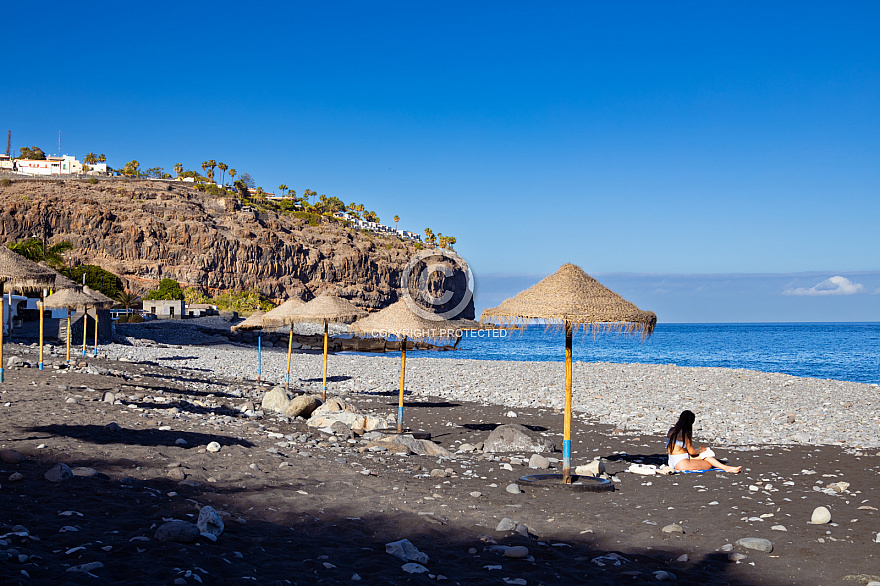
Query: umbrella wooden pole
(85, 327)
(324, 393)
(40, 303)
(566, 440)
(402, 371)
(96, 331)
(2, 326)
(68, 334)
(259, 355)
(289, 352)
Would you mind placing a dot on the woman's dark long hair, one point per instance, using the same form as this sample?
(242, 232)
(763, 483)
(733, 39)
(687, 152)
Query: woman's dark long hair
(684, 428)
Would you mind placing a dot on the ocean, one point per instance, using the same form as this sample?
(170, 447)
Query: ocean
(841, 351)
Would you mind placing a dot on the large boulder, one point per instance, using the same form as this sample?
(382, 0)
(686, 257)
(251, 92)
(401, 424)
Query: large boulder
(177, 531)
(302, 406)
(278, 399)
(352, 420)
(335, 405)
(513, 437)
(404, 443)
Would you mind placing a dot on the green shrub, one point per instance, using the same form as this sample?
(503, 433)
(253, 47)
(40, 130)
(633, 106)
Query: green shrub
(6, 182)
(123, 319)
(168, 289)
(96, 278)
(93, 181)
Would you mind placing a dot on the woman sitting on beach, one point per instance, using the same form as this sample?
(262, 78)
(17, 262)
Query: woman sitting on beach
(682, 453)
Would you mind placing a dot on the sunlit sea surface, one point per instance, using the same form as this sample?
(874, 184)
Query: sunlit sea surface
(842, 351)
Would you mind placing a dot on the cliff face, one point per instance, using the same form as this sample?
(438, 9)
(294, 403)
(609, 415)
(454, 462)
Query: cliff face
(145, 231)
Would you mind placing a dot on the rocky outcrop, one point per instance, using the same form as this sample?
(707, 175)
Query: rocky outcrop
(145, 231)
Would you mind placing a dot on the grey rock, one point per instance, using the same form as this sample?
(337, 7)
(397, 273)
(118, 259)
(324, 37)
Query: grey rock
(539, 462)
(112, 426)
(412, 568)
(506, 525)
(108, 397)
(513, 437)
(213, 447)
(341, 430)
(755, 543)
(210, 521)
(14, 361)
(176, 473)
(86, 568)
(335, 405)
(178, 532)
(513, 489)
(84, 472)
(58, 473)
(820, 516)
(522, 530)
(406, 551)
(672, 528)
(736, 556)
(517, 552)
(277, 399)
(16, 477)
(594, 468)
(10, 457)
(302, 406)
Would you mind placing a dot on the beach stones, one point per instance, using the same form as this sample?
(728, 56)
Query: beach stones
(539, 462)
(210, 522)
(506, 525)
(517, 552)
(820, 516)
(513, 489)
(404, 550)
(213, 447)
(672, 528)
(594, 468)
(277, 399)
(341, 430)
(178, 532)
(58, 473)
(756, 543)
(10, 457)
(335, 405)
(302, 406)
(513, 437)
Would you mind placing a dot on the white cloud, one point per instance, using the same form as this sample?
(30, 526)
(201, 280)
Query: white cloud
(834, 286)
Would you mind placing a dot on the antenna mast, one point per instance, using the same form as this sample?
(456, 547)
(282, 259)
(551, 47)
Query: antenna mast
(8, 142)
(59, 143)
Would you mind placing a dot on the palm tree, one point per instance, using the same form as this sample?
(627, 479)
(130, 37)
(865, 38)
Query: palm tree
(205, 167)
(396, 219)
(222, 167)
(231, 174)
(90, 159)
(128, 299)
(178, 168)
(212, 164)
(102, 158)
(282, 188)
(34, 250)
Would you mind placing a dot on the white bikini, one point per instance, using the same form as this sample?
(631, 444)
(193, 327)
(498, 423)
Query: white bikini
(676, 458)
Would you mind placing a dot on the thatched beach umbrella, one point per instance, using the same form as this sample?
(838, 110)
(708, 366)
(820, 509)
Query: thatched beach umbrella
(281, 316)
(18, 272)
(101, 301)
(572, 298)
(61, 282)
(326, 308)
(254, 322)
(69, 299)
(400, 321)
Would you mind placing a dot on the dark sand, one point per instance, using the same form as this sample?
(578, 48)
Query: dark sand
(320, 521)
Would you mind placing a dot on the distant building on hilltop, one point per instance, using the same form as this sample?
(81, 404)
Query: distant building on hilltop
(64, 165)
(376, 227)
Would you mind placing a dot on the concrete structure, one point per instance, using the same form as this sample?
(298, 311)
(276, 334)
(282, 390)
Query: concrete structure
(376, 227)
(5, 163)
(65, 165)
(165, 309)
(200, 310)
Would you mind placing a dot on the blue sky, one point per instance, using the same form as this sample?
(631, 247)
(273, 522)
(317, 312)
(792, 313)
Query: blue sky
(689, 140)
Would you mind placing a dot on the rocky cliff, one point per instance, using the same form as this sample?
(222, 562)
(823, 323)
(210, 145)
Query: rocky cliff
(145, 231)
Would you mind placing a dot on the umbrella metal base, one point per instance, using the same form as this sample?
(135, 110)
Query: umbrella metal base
(426, 435)
(578, 483)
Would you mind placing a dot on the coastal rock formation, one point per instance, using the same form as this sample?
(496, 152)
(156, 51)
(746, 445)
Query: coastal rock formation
(145, 231)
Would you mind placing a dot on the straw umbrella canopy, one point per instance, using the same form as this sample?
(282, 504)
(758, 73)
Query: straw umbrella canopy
(68, 299)
(326, 308)
(572, 298)
(254, 322)
(400, 321)
(18, 272)
(281, 316)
